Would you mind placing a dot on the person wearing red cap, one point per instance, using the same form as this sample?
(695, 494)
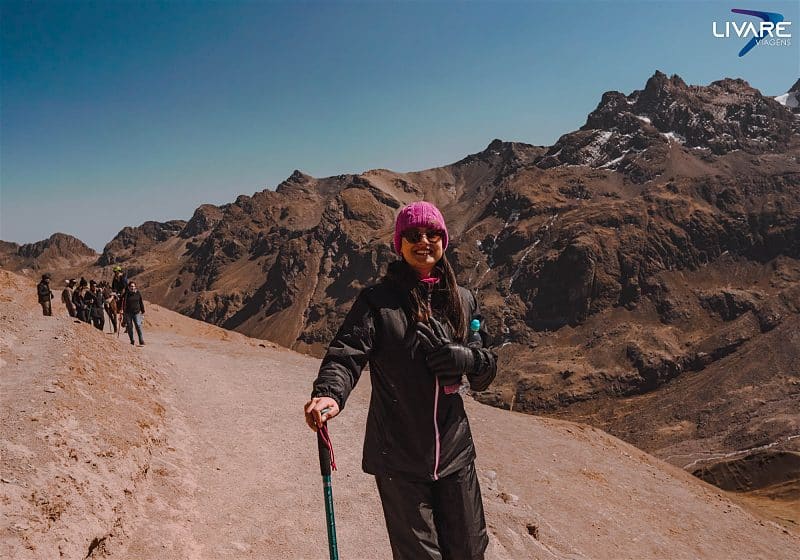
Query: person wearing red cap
(412, 329)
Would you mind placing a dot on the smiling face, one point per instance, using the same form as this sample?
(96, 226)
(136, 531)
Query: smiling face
(420, 251)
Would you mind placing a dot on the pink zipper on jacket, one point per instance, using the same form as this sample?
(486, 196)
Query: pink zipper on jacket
(430, 282)
(436, 431)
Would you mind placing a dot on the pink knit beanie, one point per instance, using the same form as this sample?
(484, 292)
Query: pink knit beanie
(418, 214)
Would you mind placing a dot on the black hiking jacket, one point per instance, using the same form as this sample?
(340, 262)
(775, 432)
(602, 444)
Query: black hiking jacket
(43, 292)
(119, 285)
(94, 301)
(133, 303)
(414, 429)
(77, 299)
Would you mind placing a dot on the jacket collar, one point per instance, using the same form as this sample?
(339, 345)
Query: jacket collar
(404, 278)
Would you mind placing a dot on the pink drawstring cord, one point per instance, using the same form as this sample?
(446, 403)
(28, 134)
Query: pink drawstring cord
(328, 443)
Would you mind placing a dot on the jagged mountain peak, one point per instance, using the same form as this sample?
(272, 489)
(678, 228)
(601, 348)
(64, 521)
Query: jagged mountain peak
(734, 85)
(495, 144)
(297, 180)
(58, 244)
(660, 84)
(204, 219)
(511, 155)
(724, 116)
(298, 176)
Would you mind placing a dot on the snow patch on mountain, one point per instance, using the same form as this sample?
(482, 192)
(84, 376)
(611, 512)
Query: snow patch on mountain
(674, 137)
(788, 100)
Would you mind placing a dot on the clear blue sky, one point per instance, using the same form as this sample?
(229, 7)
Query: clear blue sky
(114, 113)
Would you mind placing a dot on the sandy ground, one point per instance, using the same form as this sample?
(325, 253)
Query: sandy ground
(194, 446)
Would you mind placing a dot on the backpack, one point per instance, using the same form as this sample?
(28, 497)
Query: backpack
(43, 291)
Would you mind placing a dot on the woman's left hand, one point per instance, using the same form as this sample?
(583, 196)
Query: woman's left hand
(451, 359)
(445, 359)
(431, 337)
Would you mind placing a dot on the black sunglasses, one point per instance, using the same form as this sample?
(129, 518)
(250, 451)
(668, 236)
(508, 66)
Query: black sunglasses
(415, 235)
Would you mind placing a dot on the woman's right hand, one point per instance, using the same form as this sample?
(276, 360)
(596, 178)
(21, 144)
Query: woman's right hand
(313, 411)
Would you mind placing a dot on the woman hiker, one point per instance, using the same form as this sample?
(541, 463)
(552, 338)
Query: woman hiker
(411, 327)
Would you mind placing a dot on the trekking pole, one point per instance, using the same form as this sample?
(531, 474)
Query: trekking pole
(326, 461)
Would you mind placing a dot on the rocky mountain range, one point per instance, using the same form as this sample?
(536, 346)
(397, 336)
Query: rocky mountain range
(59, 252)
(641, 274)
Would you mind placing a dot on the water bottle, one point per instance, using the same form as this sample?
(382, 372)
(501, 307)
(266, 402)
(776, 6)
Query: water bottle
(474, 339)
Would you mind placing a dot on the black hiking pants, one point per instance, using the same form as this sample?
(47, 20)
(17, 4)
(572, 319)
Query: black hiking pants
(83, 314)
(98, 321)
(441, 520)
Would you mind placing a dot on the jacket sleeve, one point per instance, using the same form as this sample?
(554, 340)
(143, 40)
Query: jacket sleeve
(347, 354)
(487, 366)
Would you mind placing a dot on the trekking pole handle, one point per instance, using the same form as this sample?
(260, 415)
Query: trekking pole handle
(324, 452)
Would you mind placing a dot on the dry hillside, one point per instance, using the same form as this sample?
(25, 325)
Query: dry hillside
(194, 447)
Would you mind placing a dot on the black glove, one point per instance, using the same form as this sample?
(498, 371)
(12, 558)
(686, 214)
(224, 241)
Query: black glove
(431, 337)
(446, 359)
(450, 361)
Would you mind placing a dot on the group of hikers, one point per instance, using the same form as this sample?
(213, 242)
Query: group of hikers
(91, 301)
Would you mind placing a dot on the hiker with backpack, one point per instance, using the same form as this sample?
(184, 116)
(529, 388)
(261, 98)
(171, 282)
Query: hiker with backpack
(45, 295)
(412, 329)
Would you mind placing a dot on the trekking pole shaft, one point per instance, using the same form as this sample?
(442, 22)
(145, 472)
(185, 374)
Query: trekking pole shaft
(327, 488)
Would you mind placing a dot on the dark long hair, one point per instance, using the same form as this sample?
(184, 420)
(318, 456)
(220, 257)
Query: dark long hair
(446, 298)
